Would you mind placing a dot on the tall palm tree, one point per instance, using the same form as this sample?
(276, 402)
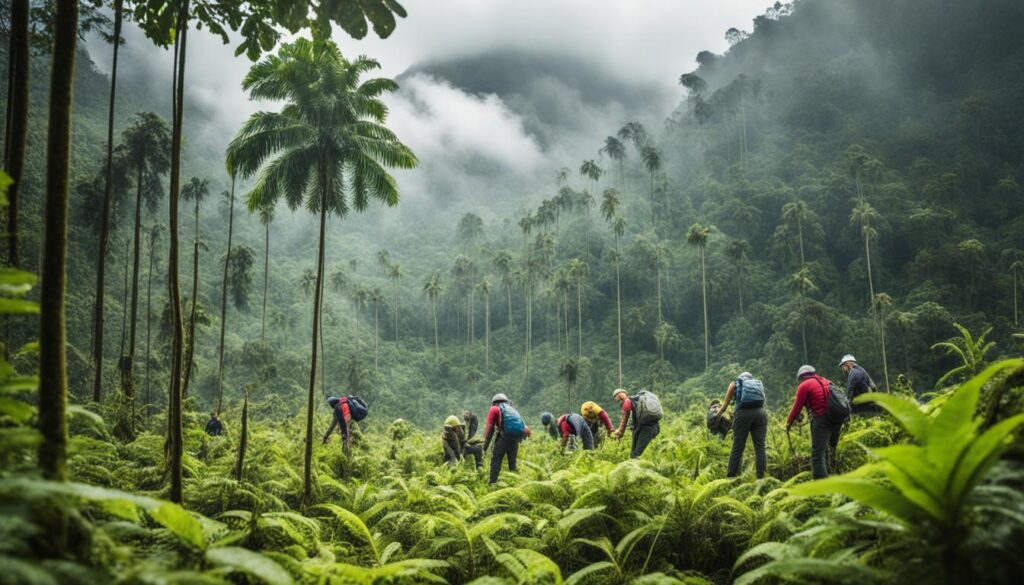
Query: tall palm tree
(616, 151)
(698, 236)
(864, 215)
(857, 161)
(1015, 269)
(702, 111)
(196, 190)
(432, 288)
(384, 259)
(331, 128)
(395, 275)
(737, 251)
(53, 376)
(802, 283)
(145, 150)
(16, 126)
(484, 286)
(569, 373)
(883, 304)
(266, 214)
(651, 157)
(230, 195)
(797, 213)
(610, 211)
(503, 262)
(591, 171)
(376, 297)
(108, 181)
(578, 269)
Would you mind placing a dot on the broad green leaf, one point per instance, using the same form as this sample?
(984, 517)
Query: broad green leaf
(811, 571)
(180, 523)
(16, 282)
(906, 411)
(911, 461)
(16, 410)
(18, 307)
(868, 493)
(250, 563)
(19, 384)
(586, 573)
(982, 453)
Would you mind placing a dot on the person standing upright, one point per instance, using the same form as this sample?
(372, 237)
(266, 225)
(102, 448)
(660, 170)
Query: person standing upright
(750, 419)
(858, 382)
(506, 427)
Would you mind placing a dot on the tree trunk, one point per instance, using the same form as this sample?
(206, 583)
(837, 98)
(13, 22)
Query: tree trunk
(885, 360)
(803, 324)
(53, 379)
(508, 294)
(189, 364)
(149, 305)
(437, 344)
(243, 441)
(224, 299)
(618, 307)
(376, 335)
(487, 332)
(124, 297)
(175, 438)
(266, 275)
(97, 332)
(704, 294)
(739, 273)
(128, 377)
(17, 118)
(800, 236)
(579, 312)
(307, 471)
(396, 312)
(529, 329)
(1014, 276)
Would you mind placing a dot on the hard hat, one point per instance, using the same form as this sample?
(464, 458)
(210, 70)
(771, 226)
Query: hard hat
(452, 421)
(590, 409)
(847, 358)
(499, 397)
(803, 371)
(746, 376)
(545, 418)
(616, 392)
(332, 400)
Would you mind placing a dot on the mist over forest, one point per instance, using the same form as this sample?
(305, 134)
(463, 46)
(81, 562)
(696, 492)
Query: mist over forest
(547, 202)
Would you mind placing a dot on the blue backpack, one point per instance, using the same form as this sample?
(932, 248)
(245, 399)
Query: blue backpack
(512, 425)
(749, 393)
(357, 407)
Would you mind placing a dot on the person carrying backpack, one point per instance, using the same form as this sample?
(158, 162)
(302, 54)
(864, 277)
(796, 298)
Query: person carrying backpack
(750, 419)
(214, 427)
(507, 428)
(858, 382)
(644, 412)
(345, 409)
(825, 403)
(596, 418)
(547, 420)
(574, 425)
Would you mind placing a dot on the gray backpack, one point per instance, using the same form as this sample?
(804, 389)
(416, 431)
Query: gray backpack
(646, 408)
(749, 393)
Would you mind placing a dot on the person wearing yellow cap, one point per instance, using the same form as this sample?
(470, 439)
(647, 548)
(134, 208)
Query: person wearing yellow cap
(596, 417)
(453, 443)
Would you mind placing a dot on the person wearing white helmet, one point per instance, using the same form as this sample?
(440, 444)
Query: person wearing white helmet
(506, 426)
(812, 393)
(858, 382)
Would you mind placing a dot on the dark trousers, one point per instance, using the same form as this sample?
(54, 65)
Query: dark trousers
(451, 456)
(824, 440)
(642, 436)
(503, 446)
(477, 451)
(583, 433)
(752, 422)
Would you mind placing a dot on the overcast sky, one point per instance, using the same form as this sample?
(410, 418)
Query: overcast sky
(645, 44)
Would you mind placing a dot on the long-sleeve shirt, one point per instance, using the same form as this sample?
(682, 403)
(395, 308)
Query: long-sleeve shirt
(472, 423)
(342, 418)
(858, 382)
(570, 424)
(601, 419)
(493, 423)
(627, 409)
(214, 427)
(453, 438)
(812, 393)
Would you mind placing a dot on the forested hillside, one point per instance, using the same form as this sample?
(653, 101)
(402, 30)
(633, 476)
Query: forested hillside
(844, 179)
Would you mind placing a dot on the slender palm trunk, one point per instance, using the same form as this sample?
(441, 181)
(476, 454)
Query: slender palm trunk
(704, 294)
(149, 320)
(652, 205)
(396, 311)
(658, 274)
(174, 416)
(739, 286)
(437, 344)
(243, 441)
(579, 312)
(376, 334)
(189, 364)
(508, 295)
(16, 130)
(565, 303)
(618, 308)
(529, 328)
(124, 296)
(487, 332)
(307, 471)
(224, 300)
(97, 348)
(800, 237)
(53, 379)
(128, 377)
(1014, 276)
(885, 360)
(803, 323)
(266, 275)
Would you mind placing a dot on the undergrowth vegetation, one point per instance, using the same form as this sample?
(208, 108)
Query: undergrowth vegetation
(916, 484)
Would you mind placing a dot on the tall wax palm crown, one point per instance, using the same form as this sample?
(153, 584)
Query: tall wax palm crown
(328, 142)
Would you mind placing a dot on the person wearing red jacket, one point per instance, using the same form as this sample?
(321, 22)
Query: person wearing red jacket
(574, 425)
(505, 445)
(342, 420)
(597, 418)
(812, 394)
